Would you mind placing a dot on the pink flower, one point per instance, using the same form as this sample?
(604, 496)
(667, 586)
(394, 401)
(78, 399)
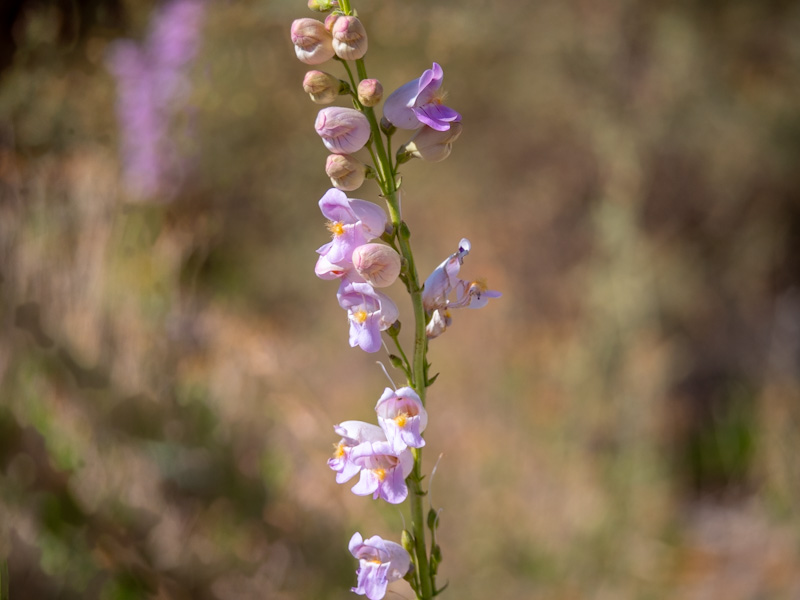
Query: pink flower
(313, 44)
(419, 103)
(353, 433)
(369, 313)
(383, 471)
(402, 418)
(343, 130)
(380, 562)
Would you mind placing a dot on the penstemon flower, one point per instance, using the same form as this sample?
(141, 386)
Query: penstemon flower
(419, 102)
(369, 250)
(380, 562)
(369, 312)
(383, 471)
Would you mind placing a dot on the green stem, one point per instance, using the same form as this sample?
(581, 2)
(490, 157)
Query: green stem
(387, 180)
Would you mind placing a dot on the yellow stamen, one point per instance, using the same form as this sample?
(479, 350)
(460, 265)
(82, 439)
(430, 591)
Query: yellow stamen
(380, 473)
(360, 316)
(338, 451)
(401, 419)
(336, 228)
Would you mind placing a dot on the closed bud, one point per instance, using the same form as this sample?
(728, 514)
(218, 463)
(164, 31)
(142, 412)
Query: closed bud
(370, 92)
(407, 541)
(313, 43)
(346, 173)
(322, 87)
(378, 264)
(429, 144)
(349, 38)
(323, 5)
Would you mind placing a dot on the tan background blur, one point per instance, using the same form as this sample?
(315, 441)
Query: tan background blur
(622, 424)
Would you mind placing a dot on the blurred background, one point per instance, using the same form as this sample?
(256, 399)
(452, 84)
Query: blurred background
(622, 424)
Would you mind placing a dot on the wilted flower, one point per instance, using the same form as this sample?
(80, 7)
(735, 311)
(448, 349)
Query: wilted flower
(353, 433)
(313, 44)
(370, 92)
(419, 103)
(349, 38)
(442, 281)
(346, 172)
(378, 264)
(369, 313)
(380, 563)
(402, 418)
(343, 130)
(322, 87)
(430, 144)
(383, 471)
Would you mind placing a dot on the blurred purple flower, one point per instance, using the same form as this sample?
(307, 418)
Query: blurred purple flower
(152, 87)
(419, 102)
(380, 562)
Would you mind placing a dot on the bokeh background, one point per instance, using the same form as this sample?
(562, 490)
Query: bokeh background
(622, 424)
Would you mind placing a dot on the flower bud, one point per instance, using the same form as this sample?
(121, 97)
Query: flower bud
(370, 92)
(349, 38)
(313, 43)
(322, 87)
(346, 173)
(378, 264)
(429, 144)
(343, 130)
(323, 5)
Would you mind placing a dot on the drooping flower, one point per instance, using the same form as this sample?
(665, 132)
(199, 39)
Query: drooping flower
(380, 563)
(383, 471)
(442, 281)
(378, 264)
(430, 144)
(346, 173)
(352, 222)
(368, 311)
(419, 102)
(313, 44)
(402, 418)
(349, 38)
(343, 130)
(353, 433)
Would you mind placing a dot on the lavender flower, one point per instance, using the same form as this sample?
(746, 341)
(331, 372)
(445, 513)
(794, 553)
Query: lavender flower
(353, 433)
(152, 87)
(402, 418)
(313, 43)
(383, 471)
(380, 562)
(419, 103)
(369, 313)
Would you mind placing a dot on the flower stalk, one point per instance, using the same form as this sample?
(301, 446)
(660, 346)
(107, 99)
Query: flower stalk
(387, 458)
